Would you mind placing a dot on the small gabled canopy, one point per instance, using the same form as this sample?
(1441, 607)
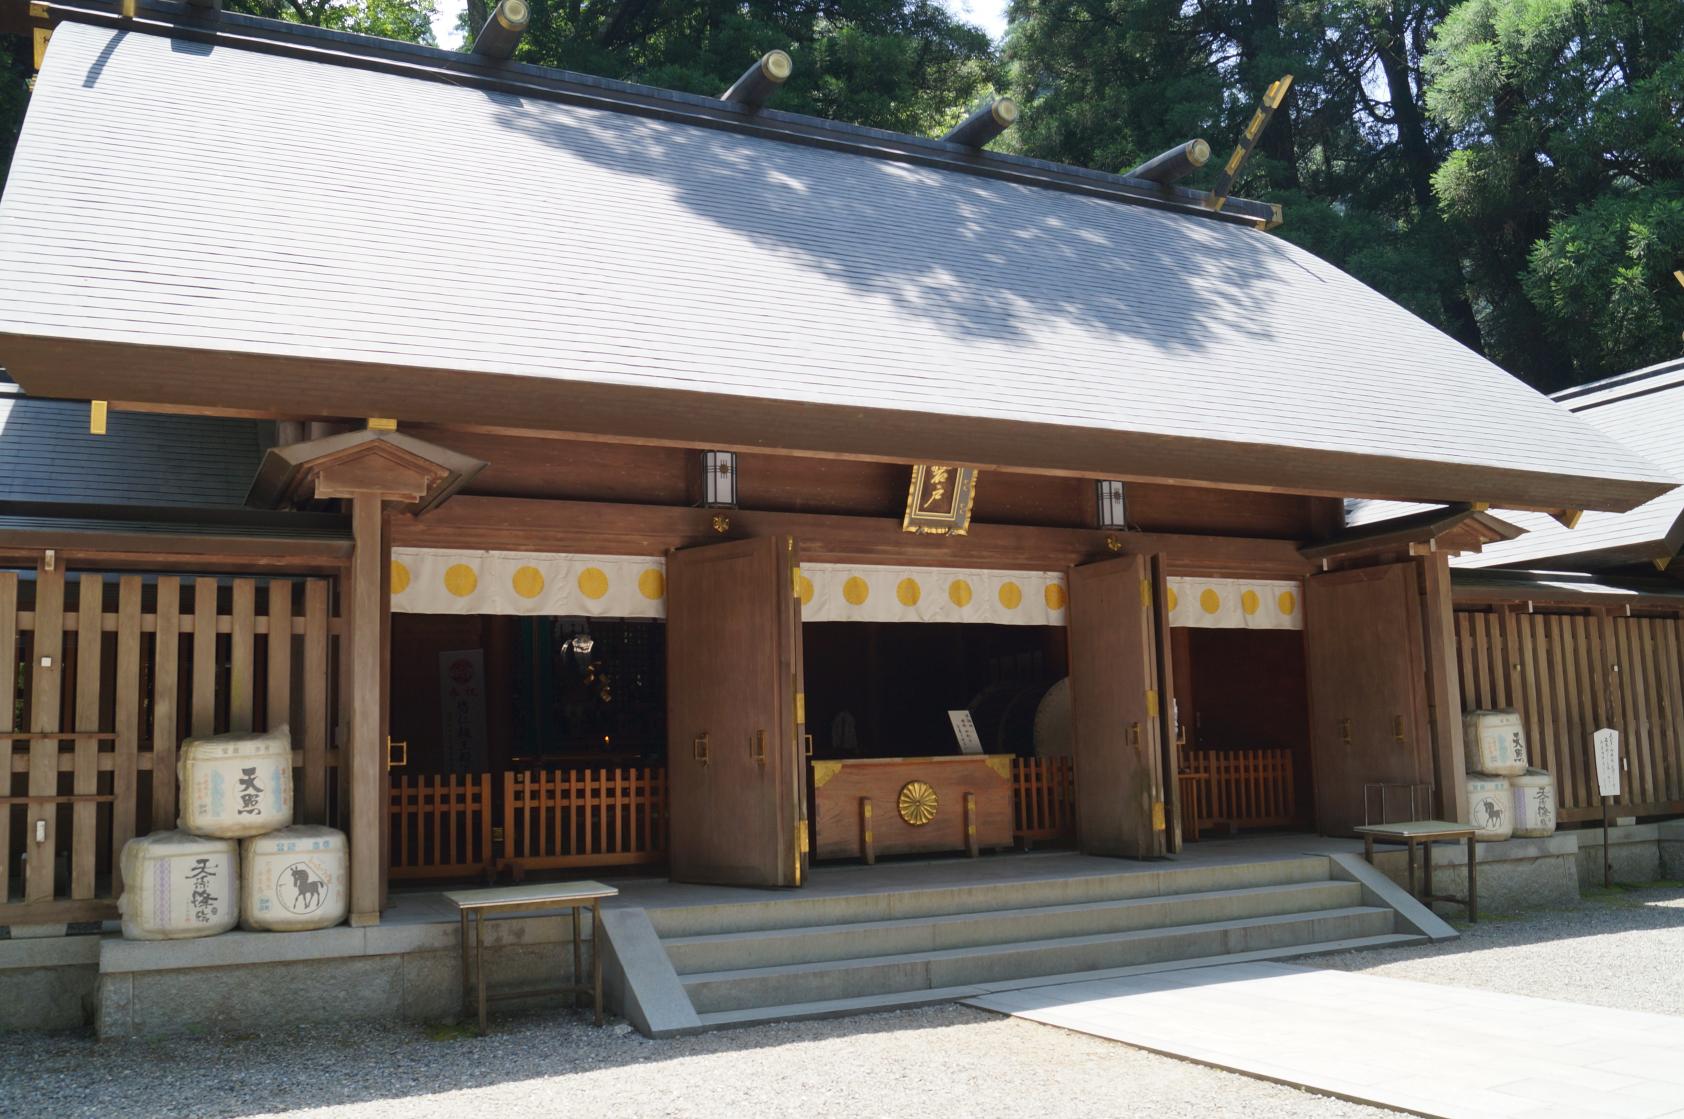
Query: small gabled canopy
(412, 473)
(686, 273)
(1454, 530)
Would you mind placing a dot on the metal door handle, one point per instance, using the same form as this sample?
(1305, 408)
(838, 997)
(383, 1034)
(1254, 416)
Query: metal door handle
(757, 746)
(699, 748)
(1345, 731)
(1397, 727)
(1134, 734)
(393, 760)
(807, 743)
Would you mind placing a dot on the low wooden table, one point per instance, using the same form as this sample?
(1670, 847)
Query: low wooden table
(1423, 834)
(572, 896)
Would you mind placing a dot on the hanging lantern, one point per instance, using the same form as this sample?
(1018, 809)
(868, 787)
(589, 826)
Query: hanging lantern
(1113, 504)
(719, 479)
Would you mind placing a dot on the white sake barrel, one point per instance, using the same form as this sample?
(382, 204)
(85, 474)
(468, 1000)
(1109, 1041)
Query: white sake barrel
(1534, 803)
(235, 785)
(177, 885)
(1490, 807)
(1495, 742)
(295, 878)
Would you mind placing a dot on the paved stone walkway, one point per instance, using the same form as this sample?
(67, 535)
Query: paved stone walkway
(1436, 1050)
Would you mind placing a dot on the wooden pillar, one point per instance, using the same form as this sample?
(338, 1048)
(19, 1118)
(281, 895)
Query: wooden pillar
(367, 763)
(1444, 692)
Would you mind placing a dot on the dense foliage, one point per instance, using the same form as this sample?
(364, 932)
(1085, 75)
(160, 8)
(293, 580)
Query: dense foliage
(1511, 170)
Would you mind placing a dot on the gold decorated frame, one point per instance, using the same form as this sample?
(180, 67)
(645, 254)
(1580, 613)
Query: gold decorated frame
(939, 500)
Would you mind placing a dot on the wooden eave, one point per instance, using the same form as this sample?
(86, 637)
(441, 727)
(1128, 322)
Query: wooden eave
(1453, 531)
(241, 383)
(411, 472)
(529, 524)
(1485, 586)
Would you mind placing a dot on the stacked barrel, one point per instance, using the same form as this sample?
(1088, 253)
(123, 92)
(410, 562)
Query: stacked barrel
(235, 856)
(1506, 796)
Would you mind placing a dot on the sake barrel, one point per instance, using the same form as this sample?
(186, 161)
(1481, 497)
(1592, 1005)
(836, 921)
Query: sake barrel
(295, 878)
(1534, 803)
(236, 785)
(1495, 742)
(1490, 807)
(177, 885)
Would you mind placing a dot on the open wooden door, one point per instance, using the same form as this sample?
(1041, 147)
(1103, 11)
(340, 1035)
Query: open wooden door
(734, 768)
(1367, 676)
(1120, 779)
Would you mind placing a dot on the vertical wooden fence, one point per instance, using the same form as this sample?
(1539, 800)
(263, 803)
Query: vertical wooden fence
(1238, 789)
(1569, 673)
(585, 817)
(1044, 794)
(103, 675)
(440, 826)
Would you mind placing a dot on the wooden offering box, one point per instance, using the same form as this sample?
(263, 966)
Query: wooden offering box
(893, 806)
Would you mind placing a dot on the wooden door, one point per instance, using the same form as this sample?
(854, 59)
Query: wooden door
(734, 769)
(1367, 678)
(1120, 802)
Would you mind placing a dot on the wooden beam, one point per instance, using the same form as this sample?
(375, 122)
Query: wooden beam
(985, 122)
(1176, 163)
(503, 29)
(650, 530)
(243, 383)
(40, 839)
(1444, 705)
(760, 81)
(367, 761)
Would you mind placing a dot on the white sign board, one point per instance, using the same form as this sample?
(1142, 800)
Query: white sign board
(964, 729)
(1607, 744)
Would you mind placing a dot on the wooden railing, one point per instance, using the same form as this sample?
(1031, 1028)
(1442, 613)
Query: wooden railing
(585, 817)
(1044, 794)
(102, 676)
(1237, 789)
(440, 825)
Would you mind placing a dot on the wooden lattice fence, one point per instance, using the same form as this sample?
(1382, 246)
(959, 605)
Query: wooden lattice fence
(106, 674)
(1570, 673)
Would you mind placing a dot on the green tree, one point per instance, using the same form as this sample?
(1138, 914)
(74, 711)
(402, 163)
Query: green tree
(1566, 118)
(409, 20)
(899, 64)
(14, 95)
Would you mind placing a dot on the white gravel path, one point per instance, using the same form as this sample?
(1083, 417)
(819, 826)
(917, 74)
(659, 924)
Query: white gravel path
(942, 1061)
(1622, 948)
(949, 1060)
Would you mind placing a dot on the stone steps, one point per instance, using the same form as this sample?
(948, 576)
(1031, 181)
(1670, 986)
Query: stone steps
(906, 1000)
(785, 984)
(903, 935)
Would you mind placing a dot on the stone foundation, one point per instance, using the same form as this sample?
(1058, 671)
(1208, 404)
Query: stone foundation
(1513, 874)
(247, 981)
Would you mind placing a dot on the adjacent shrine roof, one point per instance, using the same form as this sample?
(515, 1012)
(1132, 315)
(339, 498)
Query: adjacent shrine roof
(313, 224)
(1643, 409)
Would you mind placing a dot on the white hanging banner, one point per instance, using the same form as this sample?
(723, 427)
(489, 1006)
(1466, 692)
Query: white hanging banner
(553, 584)
(835, 592)
(1236, 603)
(452, 581)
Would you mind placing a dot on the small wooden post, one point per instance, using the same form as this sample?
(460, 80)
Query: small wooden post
(868, 846)
(970, 825)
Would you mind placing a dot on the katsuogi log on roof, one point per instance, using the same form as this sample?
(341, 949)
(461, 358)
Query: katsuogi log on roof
(668, 267)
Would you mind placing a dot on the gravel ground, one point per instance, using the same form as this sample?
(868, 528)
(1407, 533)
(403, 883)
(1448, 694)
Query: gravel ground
(1621, 949)
(947, 1060)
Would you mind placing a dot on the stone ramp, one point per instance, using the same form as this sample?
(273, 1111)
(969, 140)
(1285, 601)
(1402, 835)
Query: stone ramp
(680, 969)
(1425, 1048)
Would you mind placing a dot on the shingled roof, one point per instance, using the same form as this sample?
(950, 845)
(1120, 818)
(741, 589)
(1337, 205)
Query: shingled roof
(49, 461)
(197, 217)
(1644, 410)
